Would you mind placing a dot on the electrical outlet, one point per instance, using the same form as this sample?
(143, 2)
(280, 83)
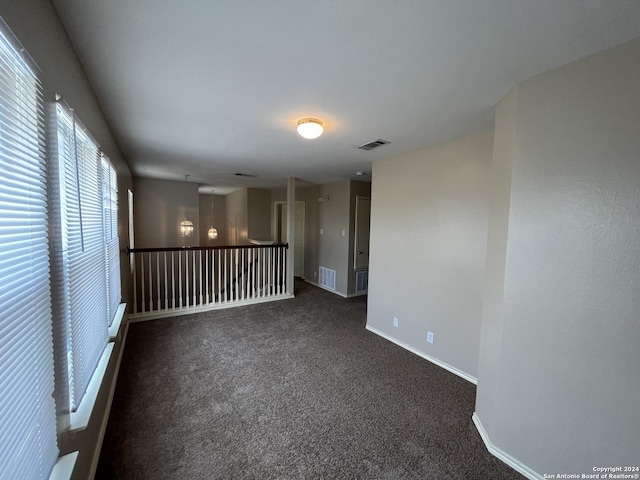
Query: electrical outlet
(322, 231)
(395, 322)
(315, 274)
(430, 337)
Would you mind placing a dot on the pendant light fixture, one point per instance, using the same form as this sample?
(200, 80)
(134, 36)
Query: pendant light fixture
(186, 225)
(310, 128)
(212, 234)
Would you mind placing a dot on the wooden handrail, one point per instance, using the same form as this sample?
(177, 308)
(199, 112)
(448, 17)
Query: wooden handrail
(222, 247)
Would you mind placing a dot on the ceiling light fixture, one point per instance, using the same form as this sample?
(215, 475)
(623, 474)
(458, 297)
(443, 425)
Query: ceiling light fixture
(186, 226)
(310, 128)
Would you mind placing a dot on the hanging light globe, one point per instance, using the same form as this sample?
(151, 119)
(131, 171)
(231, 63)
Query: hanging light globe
(186, 228)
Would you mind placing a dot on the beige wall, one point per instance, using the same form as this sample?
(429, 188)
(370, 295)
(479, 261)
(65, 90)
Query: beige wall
(249, 213)
(237, 230)
(504, 146)
(335, 215)
(311, 232)
(428, 245)
(259, 213)
(331, 248)
(37, 26)
(218, 220)
(279, 194)
(562, 387)
(159, 207)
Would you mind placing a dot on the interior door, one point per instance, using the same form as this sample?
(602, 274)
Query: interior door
(363, 224)
(298, 248)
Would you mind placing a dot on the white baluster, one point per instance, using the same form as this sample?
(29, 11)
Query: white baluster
(193, 259)
(158, 298)
(166, 296)
(237, 276)
(150, 284)
(270, 267)
(207, 272)
(142, 289)
(135, 282)
(217, 286)
(243, 276)
(180, 279)
(252, 274)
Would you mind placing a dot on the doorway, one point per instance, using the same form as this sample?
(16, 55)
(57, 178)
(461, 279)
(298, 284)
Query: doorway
(280, 236)
(362, 233)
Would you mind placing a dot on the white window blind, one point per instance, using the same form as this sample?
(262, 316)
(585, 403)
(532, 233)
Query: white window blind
(81, 188)
(28, 447)
(112, 244)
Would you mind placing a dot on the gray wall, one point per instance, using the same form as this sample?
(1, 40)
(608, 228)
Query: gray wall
(159, 207)
(429, 225)
(218, 220)
(562, 390)
(37, 26)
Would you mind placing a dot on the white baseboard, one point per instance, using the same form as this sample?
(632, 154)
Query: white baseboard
(348, 295)
(340, 294)
(440, 363)
(501, 454)
(178, 312)
(358, 294)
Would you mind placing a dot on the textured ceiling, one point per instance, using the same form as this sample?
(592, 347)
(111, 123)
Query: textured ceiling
(212, 88)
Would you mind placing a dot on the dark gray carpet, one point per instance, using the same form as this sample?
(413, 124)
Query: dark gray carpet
(295, 389)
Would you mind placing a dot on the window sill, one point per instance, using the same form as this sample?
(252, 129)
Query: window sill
(114, 329)
(80, 418)
(63, 469)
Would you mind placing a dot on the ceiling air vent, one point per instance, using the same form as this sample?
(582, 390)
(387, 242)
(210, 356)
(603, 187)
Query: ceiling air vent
(245, 175)
(372, 145)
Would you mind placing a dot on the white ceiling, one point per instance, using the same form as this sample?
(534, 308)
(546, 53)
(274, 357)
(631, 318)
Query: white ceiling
(211, 88)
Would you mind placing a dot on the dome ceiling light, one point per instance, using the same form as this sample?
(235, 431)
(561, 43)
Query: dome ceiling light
(310, 128)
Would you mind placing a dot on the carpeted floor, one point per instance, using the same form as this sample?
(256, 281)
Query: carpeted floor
(295, 389)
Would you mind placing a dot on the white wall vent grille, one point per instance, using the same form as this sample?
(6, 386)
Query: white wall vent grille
(362, 281)
(327, 278)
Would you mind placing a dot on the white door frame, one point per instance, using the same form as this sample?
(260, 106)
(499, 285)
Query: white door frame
(355, 234)
(276, 224)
